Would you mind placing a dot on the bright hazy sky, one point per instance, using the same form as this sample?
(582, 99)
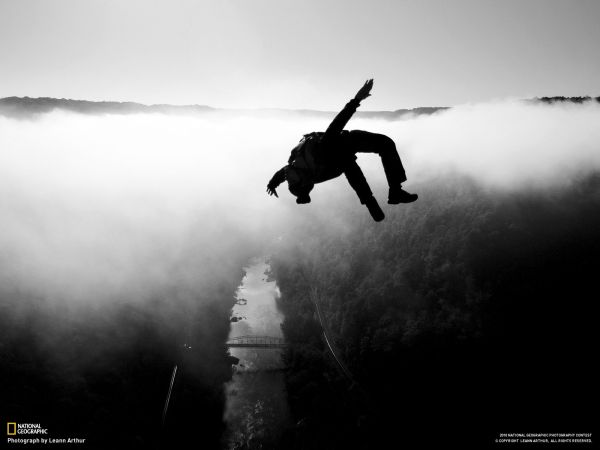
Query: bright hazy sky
(302, 54)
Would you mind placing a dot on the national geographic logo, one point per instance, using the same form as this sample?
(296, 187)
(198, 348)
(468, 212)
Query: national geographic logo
(13, 428)
(34, 433)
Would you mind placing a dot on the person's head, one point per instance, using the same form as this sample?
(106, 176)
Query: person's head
(299, 184)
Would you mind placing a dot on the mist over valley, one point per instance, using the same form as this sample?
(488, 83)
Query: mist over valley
(126, 230)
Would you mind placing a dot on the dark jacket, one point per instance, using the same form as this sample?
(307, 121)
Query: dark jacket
(319, 156)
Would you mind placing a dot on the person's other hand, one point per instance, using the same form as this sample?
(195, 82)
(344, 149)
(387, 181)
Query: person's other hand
(272, 191)
(364, 91)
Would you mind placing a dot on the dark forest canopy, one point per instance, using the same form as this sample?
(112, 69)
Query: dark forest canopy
(463, 315)
(99, 368)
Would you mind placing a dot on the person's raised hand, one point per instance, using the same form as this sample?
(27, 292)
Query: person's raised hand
(272, 191)
(364, 91)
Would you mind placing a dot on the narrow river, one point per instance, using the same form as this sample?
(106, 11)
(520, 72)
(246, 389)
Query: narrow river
(256, 411)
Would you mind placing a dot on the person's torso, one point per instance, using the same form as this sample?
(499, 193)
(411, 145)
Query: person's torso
(320, 159)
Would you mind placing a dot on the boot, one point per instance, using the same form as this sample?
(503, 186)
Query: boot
(374, 209)
(399, 195)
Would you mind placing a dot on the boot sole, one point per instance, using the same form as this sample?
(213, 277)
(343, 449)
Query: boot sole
(397, 202)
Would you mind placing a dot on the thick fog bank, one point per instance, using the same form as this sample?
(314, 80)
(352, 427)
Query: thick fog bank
(123, 237)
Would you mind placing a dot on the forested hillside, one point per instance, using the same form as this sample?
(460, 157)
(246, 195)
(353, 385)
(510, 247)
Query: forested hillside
(102, 371)
(465, 314)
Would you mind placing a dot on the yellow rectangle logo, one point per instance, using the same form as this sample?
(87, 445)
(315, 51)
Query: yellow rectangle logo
(11, 426)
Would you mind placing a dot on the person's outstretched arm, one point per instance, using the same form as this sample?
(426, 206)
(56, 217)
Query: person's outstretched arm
(340, 121)
(274, 183)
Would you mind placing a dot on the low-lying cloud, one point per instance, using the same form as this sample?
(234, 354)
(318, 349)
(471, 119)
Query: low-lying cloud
(105, 206)
(503, 145)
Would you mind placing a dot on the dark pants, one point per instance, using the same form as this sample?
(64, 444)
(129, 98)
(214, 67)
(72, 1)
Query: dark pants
(357, 141)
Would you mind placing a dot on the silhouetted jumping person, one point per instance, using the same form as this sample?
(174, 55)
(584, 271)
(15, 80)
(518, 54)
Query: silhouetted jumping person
(322, 156)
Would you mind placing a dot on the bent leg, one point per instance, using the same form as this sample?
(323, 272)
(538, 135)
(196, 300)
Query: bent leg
(366, 142)
(359, 183)
(357, 180)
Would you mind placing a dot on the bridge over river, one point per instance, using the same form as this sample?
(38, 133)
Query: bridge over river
(256, 342)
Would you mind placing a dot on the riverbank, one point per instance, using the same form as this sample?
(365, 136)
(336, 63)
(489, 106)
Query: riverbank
(256, 412)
